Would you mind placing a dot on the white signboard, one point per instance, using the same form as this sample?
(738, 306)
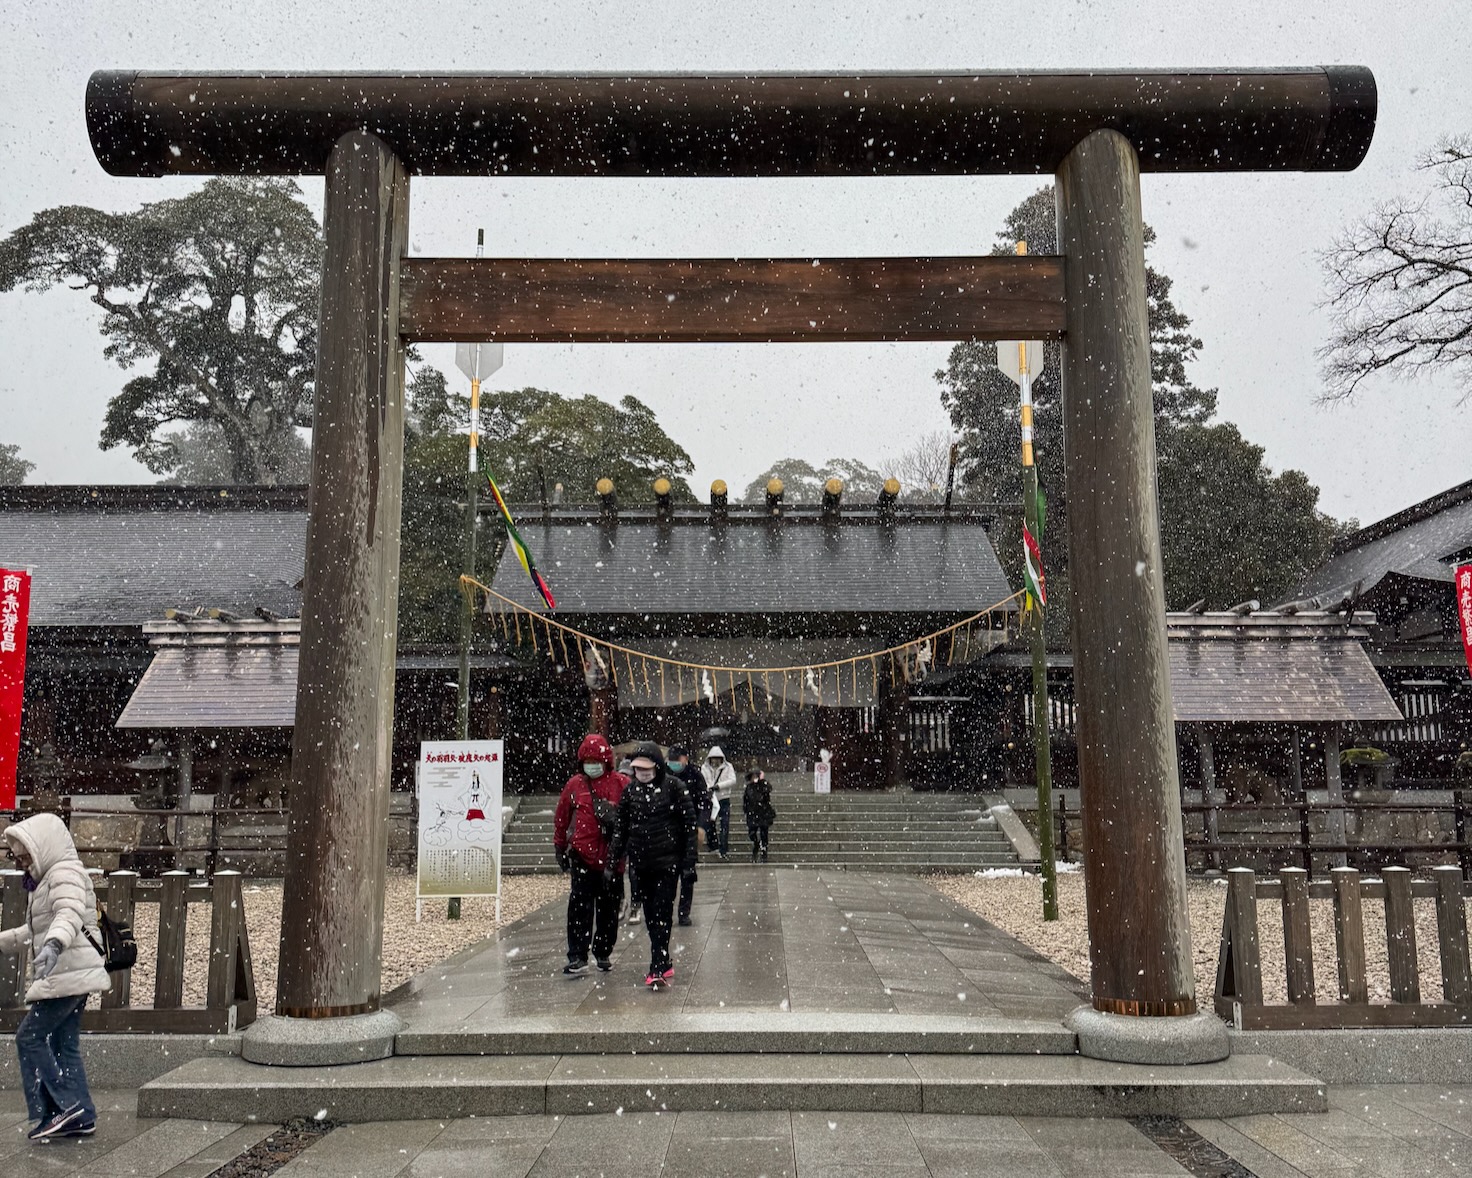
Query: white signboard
(822, 777)
(479, 361)
(460, 817)
(1010, 355)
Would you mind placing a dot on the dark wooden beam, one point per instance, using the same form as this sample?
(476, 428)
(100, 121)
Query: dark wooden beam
(880, 124)
(725, 300)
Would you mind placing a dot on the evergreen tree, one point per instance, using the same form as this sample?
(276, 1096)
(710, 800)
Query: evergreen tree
(13, 468)
(216, 292)
(1272, 516)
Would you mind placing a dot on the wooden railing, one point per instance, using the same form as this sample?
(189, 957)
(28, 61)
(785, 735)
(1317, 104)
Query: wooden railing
(230, 990)
(1206, 849)
(1239, 988)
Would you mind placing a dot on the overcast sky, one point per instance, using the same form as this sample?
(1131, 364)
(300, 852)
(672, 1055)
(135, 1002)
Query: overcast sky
(1242, 249)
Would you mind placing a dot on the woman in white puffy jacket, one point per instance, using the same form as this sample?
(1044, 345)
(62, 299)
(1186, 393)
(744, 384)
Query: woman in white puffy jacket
(720, 781)
(59, 929)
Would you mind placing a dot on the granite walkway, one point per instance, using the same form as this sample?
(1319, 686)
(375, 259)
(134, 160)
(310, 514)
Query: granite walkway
(1381, 1132)
(778, 942)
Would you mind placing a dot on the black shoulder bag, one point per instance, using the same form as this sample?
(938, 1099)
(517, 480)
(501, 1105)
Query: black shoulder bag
(119, 951)
(605, 812)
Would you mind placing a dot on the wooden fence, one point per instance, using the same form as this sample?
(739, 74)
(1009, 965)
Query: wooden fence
(1301, 844)
(230, 991)
(1239, 989)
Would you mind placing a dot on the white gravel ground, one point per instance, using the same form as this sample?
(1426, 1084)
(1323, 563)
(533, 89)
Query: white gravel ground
(1015, 904)
(408, 948)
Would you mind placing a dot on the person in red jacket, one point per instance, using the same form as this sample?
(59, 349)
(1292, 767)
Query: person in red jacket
(581, 836)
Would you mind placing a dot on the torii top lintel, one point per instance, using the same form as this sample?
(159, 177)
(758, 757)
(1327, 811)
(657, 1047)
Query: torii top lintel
(881, 124)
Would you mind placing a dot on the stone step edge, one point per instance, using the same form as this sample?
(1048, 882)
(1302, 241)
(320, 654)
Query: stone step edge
(418, 1088)
(747, 1033)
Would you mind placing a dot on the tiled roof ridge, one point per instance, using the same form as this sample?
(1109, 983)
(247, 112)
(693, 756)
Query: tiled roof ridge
(1414, 514)
(131, 497)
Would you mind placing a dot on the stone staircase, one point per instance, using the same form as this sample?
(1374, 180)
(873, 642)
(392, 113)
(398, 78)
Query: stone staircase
(896, 830)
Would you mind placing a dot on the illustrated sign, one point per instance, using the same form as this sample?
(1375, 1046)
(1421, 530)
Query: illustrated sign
(15, 609)
(823, 774)
(1464, 608)
(460, 817)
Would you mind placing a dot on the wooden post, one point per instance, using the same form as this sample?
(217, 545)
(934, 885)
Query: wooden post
(1298, 937)
(12, 913)
(1400, 935)
(332, 908)
(1139, 931)
(893, 720)
(493, 713)
(120, 908)
(1242, 924)
(173, 913)
(1335, 784)
(1349, 935)
(1295, 760)
(227, 920)
(1451, 929)
(1459, 832)
(186, 793)
(604, 705)
(1208, 794)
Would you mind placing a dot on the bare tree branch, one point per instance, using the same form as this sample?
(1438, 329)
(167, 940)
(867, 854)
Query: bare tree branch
(1400, 283)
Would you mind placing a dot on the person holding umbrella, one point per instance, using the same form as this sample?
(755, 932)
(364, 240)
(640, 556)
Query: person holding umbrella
(756, 804)
(655, 830)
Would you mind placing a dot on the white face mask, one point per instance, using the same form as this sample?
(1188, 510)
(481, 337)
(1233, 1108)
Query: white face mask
(644, 775)
(593, 768)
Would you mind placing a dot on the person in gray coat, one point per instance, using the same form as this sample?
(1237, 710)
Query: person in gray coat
(61, 932)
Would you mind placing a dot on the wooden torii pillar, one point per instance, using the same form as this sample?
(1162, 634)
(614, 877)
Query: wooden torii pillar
(367, 133)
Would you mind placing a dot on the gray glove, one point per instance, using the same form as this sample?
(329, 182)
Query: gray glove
(46, 959)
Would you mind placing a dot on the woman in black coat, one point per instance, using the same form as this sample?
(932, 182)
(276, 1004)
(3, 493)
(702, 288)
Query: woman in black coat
(756, 804)
(656, 830)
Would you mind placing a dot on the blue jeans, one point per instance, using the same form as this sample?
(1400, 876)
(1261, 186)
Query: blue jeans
(49, 1046)
(723, 817)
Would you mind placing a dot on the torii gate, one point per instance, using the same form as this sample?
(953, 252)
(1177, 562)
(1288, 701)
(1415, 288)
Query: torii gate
(1096, 131)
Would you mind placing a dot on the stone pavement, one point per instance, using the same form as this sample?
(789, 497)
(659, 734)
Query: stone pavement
(777, 941)
(1384, 1132)
(125, 1145)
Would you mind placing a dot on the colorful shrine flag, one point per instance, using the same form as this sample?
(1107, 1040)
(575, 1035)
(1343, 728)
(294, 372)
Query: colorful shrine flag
(523, 554)
(1032, 567)
(1463, 582)
(1032, 552)
(15, 610)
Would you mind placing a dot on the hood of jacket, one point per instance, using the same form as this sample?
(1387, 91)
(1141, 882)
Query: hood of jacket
(650, 750)
(596, 748)
(45, 838)
(715, 751)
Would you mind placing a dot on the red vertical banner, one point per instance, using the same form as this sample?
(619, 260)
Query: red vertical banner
(15, 609)
(1464, 608)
